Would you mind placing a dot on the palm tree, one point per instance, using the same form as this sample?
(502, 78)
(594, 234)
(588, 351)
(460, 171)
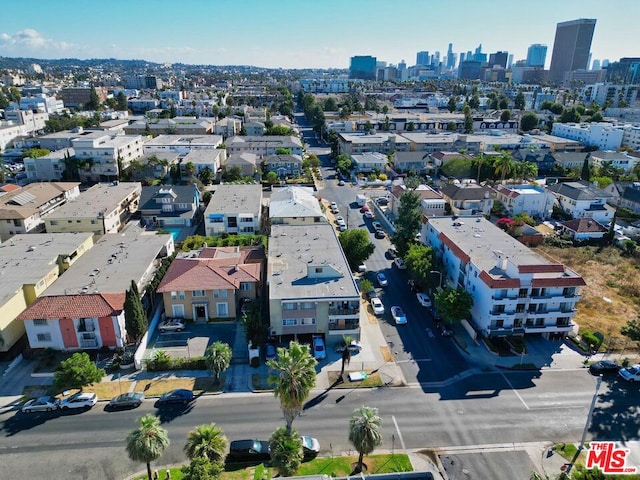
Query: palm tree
(294, 378)
(148, 442)
(365, 431)
(286, 451)
(207, 441)
(218, 358)
(503, 165)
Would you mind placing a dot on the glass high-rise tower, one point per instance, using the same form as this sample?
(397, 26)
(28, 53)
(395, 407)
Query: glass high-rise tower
(571, 47)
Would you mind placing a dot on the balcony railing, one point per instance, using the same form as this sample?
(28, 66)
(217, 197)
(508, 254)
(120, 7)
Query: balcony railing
(92, 343)
(347, 324)
(343, 311)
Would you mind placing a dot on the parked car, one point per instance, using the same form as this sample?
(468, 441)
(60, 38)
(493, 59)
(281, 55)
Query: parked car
(79, 400)
(391, 253)
(319, 350)
(181, 395)
(376, 226)
(341, 183)
(249, 451)
(423, 299)
(354, 347)
(382, 200)
(127, 400)
(333, 205)
(603, 366)
(310, 447)
(368, 214)
(362, 267)
(378, 307)
(42, 404)
(173, 325)
(400, 263)
(398, 315)
(371, 294)
(342, 227)
(339, 220)
(630, 374)
(382, 279)
(380, 234)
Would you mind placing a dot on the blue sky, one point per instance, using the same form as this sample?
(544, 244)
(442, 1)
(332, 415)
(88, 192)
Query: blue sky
(302, 33)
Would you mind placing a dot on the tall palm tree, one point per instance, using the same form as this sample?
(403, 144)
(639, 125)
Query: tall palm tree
(503, 165)
(148, 442)
(207, 441)
(365, 431)
(218, 358)
(295, 376)
(286, 451)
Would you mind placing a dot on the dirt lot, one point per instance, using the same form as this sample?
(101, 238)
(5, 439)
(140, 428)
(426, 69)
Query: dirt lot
(612, 294)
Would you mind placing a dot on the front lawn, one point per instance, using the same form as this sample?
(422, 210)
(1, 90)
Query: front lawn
(157, 386)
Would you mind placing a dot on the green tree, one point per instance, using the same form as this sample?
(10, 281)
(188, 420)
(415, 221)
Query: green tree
(207, 441)
(570, 116)
(529, 121)
(135, 318)
(283, 151)
(365, 432)
(468, 123)
(503, 165)
(218, 358)
(505, 116)
(556, 108)
(344, 164)
(77, 371)
(330, 105)
(232, 174)
(474, 102)
(121, 102)
(94, 100)
(586, 168)
(408, 222)
(356, 246)
(518, 102)
(453, 304)
(631, 330)
(280, 130)
(419, 261)
(148, 442)
(272, 178)
(295, 377)
(457, 167)
(596, 117)
(201, 469)
(286, 451)
(36, 152)
(205, 176)
(452, 104)
(190, 169)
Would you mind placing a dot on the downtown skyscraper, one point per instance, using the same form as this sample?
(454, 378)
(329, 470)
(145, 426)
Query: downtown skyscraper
(571, 47)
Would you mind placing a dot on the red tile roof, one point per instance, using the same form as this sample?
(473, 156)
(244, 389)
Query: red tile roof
(91, 305)
(207, 274)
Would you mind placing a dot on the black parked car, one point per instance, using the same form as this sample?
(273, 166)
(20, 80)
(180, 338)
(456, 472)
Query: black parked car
(249, 451)
(180, 395)
(603, 366)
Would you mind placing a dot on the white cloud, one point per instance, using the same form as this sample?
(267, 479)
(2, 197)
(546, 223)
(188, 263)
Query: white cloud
(30, 42)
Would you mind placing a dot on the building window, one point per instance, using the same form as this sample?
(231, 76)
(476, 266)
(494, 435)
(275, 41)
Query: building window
(219, 294)
(245, 286)
(289, 306)
(40, 322)
(307, 321)
(307, 306)
(44, 337)
(318, 269)
(289, 322)
(222, 310)
(198, 293)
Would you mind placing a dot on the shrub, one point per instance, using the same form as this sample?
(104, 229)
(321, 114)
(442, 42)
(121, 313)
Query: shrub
(589, 339)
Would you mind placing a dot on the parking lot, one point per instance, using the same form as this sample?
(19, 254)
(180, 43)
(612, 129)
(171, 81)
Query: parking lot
(194, 340)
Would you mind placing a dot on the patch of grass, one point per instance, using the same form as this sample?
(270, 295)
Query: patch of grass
(158, 386)
(342, 466)
(386, 353)
(373, 380)
(108, 390)
(568, 452)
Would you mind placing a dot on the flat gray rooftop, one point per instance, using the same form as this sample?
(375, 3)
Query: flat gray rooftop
(293, 249)
(103, 197)
(115, 260)
(235, 199)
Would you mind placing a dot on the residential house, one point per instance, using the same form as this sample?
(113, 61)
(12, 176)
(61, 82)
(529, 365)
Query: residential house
(625, 195)
(534, 200)
(439, 158)
(103, 208)
(255, 128)
(369, 162)
(432, 203)
(468, 198)
(23, 210)
(228, 127)
(417, 162)
(583, 199)
(198, 160)
(29, 264)
(311, 289)
(169, 206)
(569, 160)
(295, 206)
(621, 160)
(211, 282)
(64, 139)
(246, 162)
(235, 209)
(263, 146)
(284, 165)
(580, 229)
(514, 290)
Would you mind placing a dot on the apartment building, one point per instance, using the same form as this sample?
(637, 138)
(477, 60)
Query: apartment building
(295, 206)
(263, 146)
(106, 155)
(583, 199)
(514, 290)
(531, 199)
(602, 135)
(181, 144)
(235, 209)
(48, 168)
(380, 142)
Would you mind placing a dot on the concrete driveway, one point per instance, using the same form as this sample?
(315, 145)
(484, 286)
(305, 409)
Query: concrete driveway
(193, 341)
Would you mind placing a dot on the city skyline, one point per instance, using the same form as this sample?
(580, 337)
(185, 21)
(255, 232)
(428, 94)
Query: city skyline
(324, 34)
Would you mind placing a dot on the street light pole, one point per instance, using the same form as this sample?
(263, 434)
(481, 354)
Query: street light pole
(593, 405)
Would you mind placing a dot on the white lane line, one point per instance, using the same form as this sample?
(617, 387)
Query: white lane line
(515, 391)
(398, 430)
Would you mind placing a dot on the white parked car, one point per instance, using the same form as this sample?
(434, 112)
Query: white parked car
(362, 267)
(173, 325)
(400, 263)
(398, 315)
(319, 351)
(377, 305)
(42, 404)
(79, 400)
(339, 220)
(630, 374)
(423, 299)
(368, 214)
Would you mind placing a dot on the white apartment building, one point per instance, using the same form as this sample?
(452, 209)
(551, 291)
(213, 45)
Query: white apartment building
(106, 152)
(263, 145)
(234, 209)
(582, 199)
(515, 291)
(182, 144)
(42, 103)
(602, 135)
(630, 135)
(48, 168)
(621, 160)
(531, 199)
